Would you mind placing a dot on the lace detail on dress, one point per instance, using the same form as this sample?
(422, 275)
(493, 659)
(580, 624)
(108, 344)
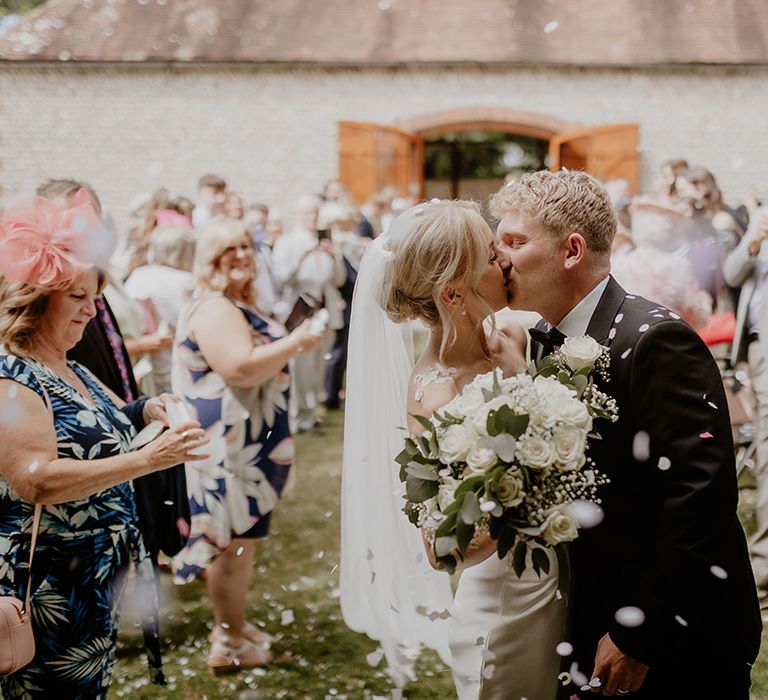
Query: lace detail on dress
(437, 375)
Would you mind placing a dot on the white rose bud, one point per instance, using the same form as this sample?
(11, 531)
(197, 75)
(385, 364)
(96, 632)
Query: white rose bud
(455, 443)
(480, 459)
(581, 351)
(560, 527)
(535, 452)
(471, 400)
(509, 489)
(569, 445)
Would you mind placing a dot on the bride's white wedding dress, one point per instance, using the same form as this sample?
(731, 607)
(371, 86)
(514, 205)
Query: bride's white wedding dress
(503, 630)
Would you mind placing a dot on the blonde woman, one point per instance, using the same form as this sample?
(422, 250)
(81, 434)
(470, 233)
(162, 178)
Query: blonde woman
(230, 363)
(438, 264)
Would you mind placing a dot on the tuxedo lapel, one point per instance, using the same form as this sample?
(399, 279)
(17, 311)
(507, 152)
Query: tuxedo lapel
(604, 317)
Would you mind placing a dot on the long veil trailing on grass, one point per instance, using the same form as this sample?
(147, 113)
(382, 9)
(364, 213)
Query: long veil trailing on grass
(388, 589)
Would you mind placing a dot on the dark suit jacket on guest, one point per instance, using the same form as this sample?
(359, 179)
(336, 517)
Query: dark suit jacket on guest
(161, 497)
(670, 543)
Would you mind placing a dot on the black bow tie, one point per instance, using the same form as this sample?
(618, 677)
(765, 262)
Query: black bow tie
(548, 340)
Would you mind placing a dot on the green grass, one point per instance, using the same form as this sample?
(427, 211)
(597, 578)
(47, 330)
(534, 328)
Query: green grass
(316, 656)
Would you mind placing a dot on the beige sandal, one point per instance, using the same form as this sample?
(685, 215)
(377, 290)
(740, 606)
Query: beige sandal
(250, 632)
(224, 658)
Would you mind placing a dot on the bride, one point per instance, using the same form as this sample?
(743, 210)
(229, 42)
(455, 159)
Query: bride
(438, 264)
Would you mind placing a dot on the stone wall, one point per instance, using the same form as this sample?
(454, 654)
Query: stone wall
(272, 132)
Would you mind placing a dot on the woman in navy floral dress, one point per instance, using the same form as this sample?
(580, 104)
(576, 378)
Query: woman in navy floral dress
(230, 365)
(66, 445)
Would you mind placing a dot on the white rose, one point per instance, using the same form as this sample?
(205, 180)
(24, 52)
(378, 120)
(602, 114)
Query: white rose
(535, 452)
(446, 491)
(571, 412)
(479, 419)
(559, 527)
(509, 489)
(483, 381)
(569, 444)
(455, 442)
(471, 400)
(581, 352)
(453, 407)
(480, 459)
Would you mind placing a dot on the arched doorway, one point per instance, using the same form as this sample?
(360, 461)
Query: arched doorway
(375, 156)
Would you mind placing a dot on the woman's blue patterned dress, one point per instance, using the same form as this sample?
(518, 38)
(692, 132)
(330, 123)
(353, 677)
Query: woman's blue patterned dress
(251, 448)
(84, 548)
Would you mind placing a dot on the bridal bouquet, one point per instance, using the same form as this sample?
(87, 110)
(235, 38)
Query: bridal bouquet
(510, 455)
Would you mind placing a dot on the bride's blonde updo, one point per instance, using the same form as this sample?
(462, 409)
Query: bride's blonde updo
(434, 244)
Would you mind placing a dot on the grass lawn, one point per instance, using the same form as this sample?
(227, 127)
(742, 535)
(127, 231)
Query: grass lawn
(294, 596)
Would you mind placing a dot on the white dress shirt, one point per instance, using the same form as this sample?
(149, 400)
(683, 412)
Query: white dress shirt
(577, 319)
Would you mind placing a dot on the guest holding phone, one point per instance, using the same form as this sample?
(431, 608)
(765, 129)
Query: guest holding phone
(230, 363)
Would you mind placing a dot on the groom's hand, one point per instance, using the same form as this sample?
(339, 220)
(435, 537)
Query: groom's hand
(619, 674)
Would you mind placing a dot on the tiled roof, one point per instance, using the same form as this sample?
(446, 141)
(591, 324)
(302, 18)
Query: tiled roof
(392, 32)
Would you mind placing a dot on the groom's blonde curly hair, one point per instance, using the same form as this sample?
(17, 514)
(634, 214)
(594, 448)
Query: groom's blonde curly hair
(566, 201)
(443, 244)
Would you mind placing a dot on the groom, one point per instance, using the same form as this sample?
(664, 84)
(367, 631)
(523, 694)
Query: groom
(663, 602)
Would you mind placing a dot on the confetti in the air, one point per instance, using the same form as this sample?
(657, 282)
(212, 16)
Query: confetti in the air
(630, 616)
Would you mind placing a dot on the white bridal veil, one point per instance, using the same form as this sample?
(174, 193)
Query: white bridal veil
(388, 589)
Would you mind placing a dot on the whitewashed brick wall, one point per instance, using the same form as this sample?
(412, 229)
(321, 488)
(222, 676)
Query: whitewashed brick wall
(273, 132)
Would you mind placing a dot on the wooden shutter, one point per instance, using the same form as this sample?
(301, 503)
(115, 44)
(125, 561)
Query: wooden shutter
(372, 157)
(607, 152)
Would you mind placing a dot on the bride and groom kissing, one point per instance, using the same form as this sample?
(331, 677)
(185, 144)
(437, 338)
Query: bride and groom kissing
(657, 599)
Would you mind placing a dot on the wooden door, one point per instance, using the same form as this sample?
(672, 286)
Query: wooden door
(608, 152)
(372, 157)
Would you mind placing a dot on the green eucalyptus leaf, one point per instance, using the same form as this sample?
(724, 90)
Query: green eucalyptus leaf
(518, 558)
(470, 509)
(445, 545)
(474, 483)
(420, 490)
(540, 561)
(464, 534)
(579, 383)
(424, 422)
(421, 471)
(447, 526)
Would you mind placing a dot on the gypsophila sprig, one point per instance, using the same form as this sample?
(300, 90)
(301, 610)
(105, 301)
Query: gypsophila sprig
(508, 456)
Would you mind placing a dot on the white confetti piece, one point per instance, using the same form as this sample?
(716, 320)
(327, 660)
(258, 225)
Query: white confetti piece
(664, 463)
(168, 503)
(286, 617)
(680, 621)
(612, 334)
(595, 683)
(674, 315)
(375, 657)
(630, 616)
(488, 671)
(12, 391)
(719, 572)
(713, 405)
(488, 506)
(586, 513)
(619, 318)
(564, 649)
(239, 551)
(551, 26)
(641, 446)
(644, 328)
(630, 296)
(625, 354)
(33, 466)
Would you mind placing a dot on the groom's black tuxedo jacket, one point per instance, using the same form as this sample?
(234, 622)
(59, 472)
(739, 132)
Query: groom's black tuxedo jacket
(664, 528)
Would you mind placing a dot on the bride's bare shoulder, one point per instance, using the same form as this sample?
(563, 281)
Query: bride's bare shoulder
(514, 332)
(430, 387)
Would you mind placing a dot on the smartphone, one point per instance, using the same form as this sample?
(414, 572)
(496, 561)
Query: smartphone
(302, 310)
(324, 234)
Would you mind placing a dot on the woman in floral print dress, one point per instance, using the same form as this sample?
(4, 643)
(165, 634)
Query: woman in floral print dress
(66, 445)
(230, 365)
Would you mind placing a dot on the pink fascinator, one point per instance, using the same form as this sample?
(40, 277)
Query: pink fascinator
(169, 217)
(43, 244)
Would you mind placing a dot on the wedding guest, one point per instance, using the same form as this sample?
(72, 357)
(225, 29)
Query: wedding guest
(103, 352)
(663, 598)
(66, 445)
(657, 267)
(233, 206)
(746, 268)
(211, 196)
(230, 363)
(311, 269)
(165, 281)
